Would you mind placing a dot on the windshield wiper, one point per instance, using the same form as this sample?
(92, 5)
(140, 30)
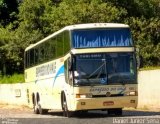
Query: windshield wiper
(99, 68)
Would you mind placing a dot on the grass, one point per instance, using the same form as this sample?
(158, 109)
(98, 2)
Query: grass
(16, 78)
(149, 68)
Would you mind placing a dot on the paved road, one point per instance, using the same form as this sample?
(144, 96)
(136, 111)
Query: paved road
(23, 115)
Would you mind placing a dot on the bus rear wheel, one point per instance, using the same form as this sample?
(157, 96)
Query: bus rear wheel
(35, 108)
(42, 111)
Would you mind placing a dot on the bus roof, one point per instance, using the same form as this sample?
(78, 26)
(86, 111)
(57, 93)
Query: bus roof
(96, 25)
(81, 26)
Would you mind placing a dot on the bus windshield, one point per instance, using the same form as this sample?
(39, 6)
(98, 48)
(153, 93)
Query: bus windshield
(105, 68)
(93, 38)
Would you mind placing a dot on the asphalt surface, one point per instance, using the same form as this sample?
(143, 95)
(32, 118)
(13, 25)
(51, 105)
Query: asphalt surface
(24, 115)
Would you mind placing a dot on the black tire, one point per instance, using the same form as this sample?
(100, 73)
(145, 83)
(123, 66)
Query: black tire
(66, 112)
(117, 111)
(35, 108)
(110, 112)
(42, 111)
(81, 112)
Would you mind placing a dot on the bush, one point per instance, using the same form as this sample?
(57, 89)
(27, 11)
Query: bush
(16, 78)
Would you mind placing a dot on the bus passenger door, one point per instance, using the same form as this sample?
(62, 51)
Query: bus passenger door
(68, 80)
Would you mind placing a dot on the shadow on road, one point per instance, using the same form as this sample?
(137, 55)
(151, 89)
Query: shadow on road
(104, 114)
(140, 113)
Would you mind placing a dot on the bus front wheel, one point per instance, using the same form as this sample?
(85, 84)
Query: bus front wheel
(117, 111)
(66, 112)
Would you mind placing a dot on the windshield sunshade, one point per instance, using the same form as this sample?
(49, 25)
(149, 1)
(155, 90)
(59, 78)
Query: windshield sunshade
(93, 38)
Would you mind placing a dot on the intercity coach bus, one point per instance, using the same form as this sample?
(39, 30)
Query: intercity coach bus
(83, 67)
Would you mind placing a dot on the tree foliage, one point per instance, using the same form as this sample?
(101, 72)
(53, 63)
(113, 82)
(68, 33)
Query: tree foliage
(24, 23)
(138, 8)
(85, 11)
(146, 34)
(8, 11)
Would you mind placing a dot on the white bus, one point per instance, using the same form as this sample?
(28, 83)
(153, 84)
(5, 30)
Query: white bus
(83, 67)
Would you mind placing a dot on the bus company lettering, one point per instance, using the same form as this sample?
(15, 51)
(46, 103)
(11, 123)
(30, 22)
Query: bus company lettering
(46, 69)
(99, 90)
(104, 89)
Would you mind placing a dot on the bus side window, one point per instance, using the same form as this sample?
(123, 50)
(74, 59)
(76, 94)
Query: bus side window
(36, 56)
(26, 58)
(66, 43)
(32, 57)
(41, 53)
(60, 45)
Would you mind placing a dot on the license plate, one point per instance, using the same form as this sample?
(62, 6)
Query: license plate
(107, 103)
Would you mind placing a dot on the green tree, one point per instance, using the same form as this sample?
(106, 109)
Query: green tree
(22, 24)
(146, 34)
(35, 15)
(138, 8)
(85, 11)
(8, 11)
(4, 40)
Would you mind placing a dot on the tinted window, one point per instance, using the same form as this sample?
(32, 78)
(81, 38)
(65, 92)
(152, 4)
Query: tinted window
(36, 55)
(66, 42)
(31, 57)
(105, 68)
(26, 62)
(48, 50)
(101, 38)
(60, 45)
(41, 53)
(52, 48)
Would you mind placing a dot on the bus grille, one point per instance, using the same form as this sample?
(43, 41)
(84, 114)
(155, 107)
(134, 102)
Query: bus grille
(112, 95)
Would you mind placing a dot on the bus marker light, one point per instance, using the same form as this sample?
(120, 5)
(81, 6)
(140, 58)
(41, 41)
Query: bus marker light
(131, 88)
(77, 95)
(83, 103)
(133, 101)
(61, 60)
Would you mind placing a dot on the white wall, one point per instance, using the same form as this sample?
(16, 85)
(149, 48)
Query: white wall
(149, 91)
(13, 93)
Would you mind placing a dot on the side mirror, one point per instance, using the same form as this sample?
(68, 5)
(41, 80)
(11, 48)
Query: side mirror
(70, 64)
(139, 59)
(138, 62)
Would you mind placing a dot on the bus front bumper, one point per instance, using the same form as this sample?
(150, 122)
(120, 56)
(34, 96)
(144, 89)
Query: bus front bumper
(104, 103)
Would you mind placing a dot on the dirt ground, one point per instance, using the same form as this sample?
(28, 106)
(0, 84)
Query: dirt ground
(11, 109)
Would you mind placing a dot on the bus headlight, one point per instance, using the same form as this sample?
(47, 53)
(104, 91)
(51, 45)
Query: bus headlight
(132, 93)
(88, 95)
